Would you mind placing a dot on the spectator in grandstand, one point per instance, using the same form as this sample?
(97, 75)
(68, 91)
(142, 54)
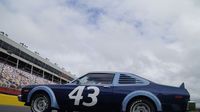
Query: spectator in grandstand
(14, 78)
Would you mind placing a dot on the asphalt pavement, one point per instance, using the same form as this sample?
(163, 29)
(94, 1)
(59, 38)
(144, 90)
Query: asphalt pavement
(22, 109)
(15, 109)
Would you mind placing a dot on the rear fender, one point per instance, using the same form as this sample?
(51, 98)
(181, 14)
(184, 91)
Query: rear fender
(141, 93)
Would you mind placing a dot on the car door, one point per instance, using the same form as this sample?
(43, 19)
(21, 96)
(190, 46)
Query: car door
(93, 92)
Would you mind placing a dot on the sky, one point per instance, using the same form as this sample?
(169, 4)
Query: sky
(156, 39)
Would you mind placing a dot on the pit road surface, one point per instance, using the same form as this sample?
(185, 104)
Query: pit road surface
(15, 109)
(23, 109)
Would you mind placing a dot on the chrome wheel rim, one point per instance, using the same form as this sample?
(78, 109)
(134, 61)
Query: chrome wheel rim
(40, 104)
(140, 107)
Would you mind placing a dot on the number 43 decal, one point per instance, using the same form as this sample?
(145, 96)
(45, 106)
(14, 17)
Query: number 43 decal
(76, 94)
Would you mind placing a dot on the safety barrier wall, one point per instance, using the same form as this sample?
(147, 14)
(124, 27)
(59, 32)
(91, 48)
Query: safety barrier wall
(9, 91)
(10, 100)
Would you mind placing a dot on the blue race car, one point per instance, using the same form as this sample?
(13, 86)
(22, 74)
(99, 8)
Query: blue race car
(106, 92)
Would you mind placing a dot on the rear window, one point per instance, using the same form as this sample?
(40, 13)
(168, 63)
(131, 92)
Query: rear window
(126, 79)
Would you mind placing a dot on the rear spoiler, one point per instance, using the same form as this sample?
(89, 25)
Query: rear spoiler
(182, 85)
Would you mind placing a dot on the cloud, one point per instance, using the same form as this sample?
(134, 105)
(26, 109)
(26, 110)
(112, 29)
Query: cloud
(155, 39)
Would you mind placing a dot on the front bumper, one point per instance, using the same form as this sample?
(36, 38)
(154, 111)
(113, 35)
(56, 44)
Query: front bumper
(20, 98)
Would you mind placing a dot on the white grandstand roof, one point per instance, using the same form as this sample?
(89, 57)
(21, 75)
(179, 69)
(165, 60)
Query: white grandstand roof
(20, 47)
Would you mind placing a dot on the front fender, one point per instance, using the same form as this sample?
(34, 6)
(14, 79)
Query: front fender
(141, 93)
(48, 90)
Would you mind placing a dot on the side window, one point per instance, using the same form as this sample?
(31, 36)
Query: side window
(97, 78)
(126, 79)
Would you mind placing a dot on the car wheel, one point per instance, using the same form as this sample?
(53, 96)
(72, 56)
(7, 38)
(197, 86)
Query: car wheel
(40, 103)
(141, 105)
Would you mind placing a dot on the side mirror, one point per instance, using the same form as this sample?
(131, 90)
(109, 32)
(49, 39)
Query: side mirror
(78, 81)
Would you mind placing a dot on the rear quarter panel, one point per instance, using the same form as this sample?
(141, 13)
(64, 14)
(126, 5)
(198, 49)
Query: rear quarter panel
(165, 94)
(120, 92)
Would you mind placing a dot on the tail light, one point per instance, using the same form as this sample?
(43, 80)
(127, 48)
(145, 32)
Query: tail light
(178, 97)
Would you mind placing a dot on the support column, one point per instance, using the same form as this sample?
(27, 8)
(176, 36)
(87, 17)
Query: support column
(52, 78)
(43, 74)
(31, 69)
(60, 81)
(17, 66)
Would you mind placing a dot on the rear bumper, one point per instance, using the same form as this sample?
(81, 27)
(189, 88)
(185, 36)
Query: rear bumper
(174, 107)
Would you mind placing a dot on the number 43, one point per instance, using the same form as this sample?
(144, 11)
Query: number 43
(79, 90)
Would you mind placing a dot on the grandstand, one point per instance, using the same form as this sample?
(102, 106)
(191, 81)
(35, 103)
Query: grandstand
(20, 67)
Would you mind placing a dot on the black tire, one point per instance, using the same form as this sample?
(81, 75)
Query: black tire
(141, 105)
(40, 103)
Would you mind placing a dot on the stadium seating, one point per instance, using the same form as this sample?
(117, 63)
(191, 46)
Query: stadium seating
(14, 78)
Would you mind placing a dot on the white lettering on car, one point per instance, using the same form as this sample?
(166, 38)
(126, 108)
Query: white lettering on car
(76, 94)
